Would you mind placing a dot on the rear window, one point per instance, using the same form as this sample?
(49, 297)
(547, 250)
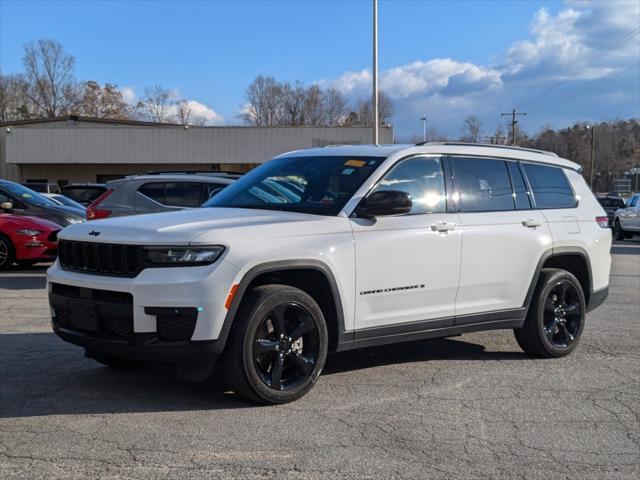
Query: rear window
(177, 194)
(612, 202)
(83, 194)
(550, 186)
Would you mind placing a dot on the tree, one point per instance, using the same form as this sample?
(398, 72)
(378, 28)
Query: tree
(264, 102)
(471, 129)
(364, 110)
(15, 104)
(185, 116)
(335, 107)
(157, 104)
(314, 107)
(102, 102)
(49, 73)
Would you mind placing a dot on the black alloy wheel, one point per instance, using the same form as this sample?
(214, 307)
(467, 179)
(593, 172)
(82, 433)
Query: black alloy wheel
(286, 347)
(277, 345)
(7, 253)
(556, 315)
(562, 314)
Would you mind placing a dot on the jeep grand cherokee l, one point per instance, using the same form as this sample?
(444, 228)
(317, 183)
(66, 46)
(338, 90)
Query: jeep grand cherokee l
(338, 248)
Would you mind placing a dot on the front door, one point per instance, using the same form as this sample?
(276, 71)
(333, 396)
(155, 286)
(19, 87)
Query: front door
(407, 266)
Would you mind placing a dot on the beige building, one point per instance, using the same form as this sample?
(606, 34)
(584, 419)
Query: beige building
(77, 149)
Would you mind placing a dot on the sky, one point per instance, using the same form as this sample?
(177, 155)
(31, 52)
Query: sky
(558, 61)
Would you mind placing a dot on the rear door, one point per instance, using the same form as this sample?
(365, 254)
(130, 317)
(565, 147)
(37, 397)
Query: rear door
(503, 237)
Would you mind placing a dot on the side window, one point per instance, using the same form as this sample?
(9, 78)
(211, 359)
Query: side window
(422, 177)
(483, 185)
(550, 186)
(184, 194)
(155, 191)
(4, 197)
(634, 201)
(209, 188)
(520, 194)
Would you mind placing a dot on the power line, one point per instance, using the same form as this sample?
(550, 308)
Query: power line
(513, 114)
(596, 85)
(601, 55)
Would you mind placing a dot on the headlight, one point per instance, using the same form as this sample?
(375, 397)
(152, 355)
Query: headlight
(29, 233)
(183, 255)
(72, 220)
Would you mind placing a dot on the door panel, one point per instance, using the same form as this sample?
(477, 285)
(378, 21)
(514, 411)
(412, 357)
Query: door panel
(406, 270)
(407, 266)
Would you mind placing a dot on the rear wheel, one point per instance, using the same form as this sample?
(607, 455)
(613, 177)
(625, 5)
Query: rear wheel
(618, 232)
(7, 253)
(278, 345)
(556, 316)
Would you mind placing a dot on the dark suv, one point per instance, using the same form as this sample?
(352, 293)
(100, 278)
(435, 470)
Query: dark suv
(610, 205)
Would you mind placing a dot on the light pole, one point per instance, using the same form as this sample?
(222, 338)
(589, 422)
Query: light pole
(375, 72)
(423, 119)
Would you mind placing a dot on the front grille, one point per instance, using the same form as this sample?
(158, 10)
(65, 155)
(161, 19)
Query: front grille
(101, 258)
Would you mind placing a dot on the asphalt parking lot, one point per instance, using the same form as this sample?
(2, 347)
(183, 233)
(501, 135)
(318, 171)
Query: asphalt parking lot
(469, 407)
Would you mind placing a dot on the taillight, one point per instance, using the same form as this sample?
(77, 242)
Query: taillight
(603, 221)
(95, 213)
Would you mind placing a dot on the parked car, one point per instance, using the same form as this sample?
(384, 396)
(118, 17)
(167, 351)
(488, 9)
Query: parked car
(370, 245)
(43, 187)
(20, 200)
(26, 240)
(84, 193)
(627, 219)
(155, 193)
(610, 205)
(62, 200)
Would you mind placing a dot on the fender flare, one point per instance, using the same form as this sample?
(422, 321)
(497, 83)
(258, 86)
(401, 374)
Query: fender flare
(270, 267)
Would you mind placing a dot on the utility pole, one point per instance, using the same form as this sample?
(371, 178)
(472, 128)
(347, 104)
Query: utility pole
(375, 72)
(593, 133)
(423, 119)
(513, 114)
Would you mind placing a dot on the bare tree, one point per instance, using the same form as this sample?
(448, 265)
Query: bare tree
(15, 104)
(364, 111)
(471, 129)
(313, 106)
(293, 104)
(264, 102)
(49, 72)
(335, 107)
(157, 104)
(185, 116)
(102, 101)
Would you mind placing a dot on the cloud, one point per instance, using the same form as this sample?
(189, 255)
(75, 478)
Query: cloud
(200, 110)
(128, 95)
(586, 46)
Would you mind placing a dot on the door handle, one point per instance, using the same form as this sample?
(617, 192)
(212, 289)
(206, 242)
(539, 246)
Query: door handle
(531, 223)
(443, 226)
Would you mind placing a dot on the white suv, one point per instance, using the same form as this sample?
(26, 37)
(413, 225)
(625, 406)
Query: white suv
(339, 248)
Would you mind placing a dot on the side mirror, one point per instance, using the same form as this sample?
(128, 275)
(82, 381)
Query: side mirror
(6, 206)
(384, 203)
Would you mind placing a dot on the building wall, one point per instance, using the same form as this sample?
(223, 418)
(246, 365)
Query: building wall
(63, 151)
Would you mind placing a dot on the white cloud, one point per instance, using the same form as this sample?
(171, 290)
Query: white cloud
(128, 94)
(561, 47)
(201, 110)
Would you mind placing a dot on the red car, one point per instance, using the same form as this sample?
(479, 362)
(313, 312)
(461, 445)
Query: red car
(27, 240)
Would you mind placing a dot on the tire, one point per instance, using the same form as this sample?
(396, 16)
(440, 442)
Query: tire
(556, 316)
(115, 362)
(7, 253)
(263, 361)
(618, 232)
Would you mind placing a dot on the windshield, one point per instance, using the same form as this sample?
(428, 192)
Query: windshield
(317, 185)
(28, 196)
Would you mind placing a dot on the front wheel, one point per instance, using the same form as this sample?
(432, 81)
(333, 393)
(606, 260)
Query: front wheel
(7, 253)
(556, 316)
(277, 346)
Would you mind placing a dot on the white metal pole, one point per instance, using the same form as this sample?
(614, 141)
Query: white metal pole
(375, 73)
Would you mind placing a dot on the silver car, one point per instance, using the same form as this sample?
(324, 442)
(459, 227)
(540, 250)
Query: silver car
(154, 193)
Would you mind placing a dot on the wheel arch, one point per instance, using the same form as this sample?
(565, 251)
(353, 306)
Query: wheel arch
(311, 276)
(575, 260)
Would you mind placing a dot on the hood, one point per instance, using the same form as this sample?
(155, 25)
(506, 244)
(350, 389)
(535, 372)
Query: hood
(197, 226)
(20, 221)
(64, 210)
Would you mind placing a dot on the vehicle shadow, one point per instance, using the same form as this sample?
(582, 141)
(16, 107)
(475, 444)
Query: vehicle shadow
(42, 375)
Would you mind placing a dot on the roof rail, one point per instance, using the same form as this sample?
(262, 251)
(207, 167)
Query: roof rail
(488, 145)
(193, 172)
